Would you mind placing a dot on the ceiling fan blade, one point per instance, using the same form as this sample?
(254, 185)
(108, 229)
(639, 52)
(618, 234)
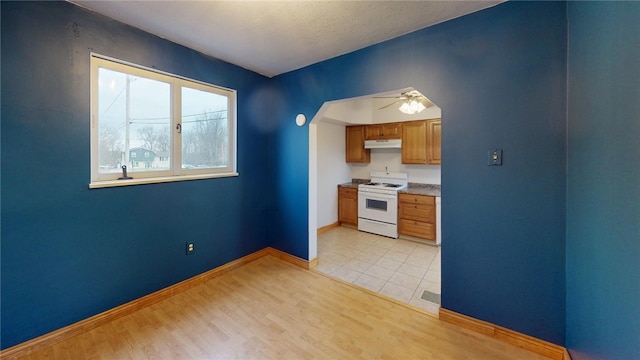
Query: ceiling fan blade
(426, 102)
(386, 106)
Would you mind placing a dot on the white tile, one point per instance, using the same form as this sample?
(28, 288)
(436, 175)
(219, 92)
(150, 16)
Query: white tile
(404, 280)
(376, 250)
(397, 292)
(413, 270)
(346, 251)
(432, 276)
(386, 243)
(419, 260)
(357, 265)
(380, 272)
(395, 255)
(333, 257)
(404, 246)
(327, 268)
(425, 251)
(431, 286)
(388, 263)
(407, 261)
(346, 274)
(358, 245)
(369, 282)
(367, 257)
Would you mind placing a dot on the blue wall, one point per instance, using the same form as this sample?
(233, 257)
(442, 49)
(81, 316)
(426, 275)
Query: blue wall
(499, 76)
(603, 221)
(69, 252)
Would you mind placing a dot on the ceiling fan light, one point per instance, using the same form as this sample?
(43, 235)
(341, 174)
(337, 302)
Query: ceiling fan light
(405, 108)
(411, 107)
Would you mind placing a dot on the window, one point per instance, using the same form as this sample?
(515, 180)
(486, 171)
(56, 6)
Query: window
(183, 129)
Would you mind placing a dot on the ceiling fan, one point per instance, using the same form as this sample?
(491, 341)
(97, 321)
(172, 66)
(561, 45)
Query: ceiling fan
(411, 102)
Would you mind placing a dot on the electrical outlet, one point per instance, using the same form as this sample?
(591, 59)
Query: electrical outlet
(495, 157)
(191, 248)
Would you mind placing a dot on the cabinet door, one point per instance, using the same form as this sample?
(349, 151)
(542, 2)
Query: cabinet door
(355, 151)
(383, 131)
(414, 142)
(391, 131)
(373, 132)
(348, 206)
(434, 136)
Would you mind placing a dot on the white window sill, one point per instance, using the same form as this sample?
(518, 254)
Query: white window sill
(141, 181)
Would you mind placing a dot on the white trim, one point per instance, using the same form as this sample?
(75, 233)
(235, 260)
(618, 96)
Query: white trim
(141, 181)
(175, 76)
(313, 190)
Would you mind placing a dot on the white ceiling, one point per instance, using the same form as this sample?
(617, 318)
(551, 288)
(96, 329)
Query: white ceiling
(275, 37)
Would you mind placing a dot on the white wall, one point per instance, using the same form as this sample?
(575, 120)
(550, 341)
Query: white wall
(392, 159)
(332, 170)
(392, 114)
(353, 112)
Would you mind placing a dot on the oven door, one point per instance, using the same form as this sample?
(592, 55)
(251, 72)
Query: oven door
(378, 207)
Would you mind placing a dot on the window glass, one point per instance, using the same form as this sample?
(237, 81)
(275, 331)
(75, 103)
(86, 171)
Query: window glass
(134, 114)
(179, 127)
(205, 130)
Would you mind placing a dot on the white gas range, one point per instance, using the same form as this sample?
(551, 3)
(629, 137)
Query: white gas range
(378, 203)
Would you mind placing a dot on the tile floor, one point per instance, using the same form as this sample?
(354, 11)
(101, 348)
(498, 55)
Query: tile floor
(396, 268)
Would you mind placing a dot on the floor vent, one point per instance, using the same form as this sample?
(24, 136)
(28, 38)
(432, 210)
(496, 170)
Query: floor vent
(430, 296)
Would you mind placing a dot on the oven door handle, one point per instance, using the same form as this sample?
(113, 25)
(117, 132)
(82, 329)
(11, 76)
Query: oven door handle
(375, 196)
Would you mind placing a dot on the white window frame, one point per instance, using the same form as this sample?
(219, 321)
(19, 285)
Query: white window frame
(176, 172)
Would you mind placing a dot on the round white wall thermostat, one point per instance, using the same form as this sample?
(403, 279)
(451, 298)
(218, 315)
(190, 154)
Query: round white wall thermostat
(301, 120)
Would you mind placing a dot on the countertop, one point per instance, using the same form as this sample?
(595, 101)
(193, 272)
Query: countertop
(422, 189)
(414, 188)
(354, 183)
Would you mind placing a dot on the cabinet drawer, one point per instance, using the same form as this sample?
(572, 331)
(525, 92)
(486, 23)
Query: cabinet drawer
(347, 192)
(416, 199)
(419, 229)
(426, 213)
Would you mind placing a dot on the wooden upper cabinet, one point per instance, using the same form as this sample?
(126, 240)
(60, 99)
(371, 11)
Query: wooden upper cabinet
(414, 142)
(356, 153)
(421, 142)
(383, 131)
(434, 139)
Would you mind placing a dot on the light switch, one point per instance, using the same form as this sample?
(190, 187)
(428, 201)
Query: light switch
(495, 157)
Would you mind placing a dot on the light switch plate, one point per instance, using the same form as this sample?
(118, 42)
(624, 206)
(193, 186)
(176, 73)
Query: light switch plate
(495, 157)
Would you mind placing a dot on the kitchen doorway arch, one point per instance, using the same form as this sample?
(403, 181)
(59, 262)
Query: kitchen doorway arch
(327, 166)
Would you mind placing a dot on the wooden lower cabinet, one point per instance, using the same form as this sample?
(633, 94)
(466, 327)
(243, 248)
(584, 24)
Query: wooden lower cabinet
(347, 205)
(417, 216)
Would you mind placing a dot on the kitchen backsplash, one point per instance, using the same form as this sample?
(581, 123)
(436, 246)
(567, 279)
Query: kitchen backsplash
(391, 159)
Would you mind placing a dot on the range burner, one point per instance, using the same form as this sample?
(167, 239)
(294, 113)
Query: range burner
(383, 184)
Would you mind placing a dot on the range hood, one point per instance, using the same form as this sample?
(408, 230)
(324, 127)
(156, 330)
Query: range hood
(383, 144)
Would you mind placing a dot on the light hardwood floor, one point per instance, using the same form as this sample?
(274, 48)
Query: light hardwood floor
(270, 309)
